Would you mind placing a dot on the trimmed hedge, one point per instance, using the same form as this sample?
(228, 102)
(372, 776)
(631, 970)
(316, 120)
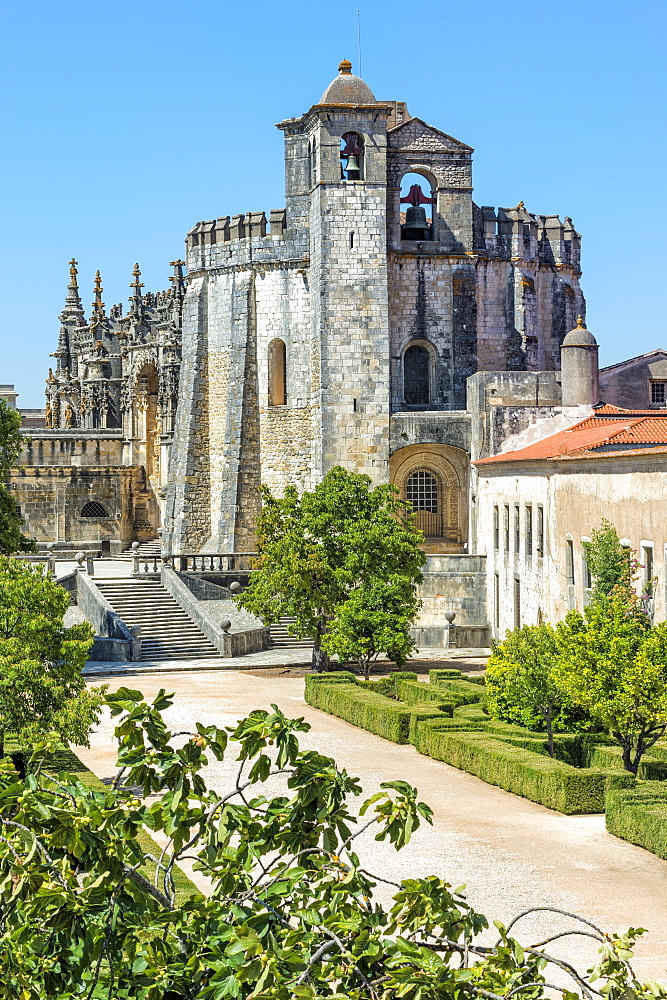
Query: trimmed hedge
(464, 736)
(639, 815)
(356, 703)
(518, 769)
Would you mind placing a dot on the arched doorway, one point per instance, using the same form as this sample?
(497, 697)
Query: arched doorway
(433, 479)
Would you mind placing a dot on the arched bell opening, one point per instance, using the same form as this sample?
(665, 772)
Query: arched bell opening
(351, 157)
(418, 197)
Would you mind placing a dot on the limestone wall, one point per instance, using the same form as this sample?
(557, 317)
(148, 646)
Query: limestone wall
(51, 500)
(78, 448)
(574, 495)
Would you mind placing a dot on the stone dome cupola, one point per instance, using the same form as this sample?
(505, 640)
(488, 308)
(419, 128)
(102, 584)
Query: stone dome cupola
(580, 336)
(347, 88)
(579, 367)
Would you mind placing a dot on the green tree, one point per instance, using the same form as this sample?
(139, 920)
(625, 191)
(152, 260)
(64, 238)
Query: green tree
(610, 564)
(316, 548)
(291, 912)
(522, 680)
(11, 442)
(41, 687)
(613, 664)
(373, 620)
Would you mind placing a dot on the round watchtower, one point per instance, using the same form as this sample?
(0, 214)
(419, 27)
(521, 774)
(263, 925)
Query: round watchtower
(579, 367)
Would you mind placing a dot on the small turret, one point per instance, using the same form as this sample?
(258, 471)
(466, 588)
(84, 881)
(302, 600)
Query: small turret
(579, 367)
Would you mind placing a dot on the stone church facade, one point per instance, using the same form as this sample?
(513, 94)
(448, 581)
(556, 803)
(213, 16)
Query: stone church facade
(343, 329)
(95, 476)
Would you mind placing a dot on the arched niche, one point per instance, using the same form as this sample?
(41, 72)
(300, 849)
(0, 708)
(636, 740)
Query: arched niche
(434, 478)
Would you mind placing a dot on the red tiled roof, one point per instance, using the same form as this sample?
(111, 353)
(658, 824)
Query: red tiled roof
(608, 426)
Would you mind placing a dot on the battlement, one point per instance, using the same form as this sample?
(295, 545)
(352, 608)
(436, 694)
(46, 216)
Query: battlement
(252, 225)
(515, 233)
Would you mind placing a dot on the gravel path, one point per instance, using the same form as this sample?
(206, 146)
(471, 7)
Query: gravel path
(511, 853)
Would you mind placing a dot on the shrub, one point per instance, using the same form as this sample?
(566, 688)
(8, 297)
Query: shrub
(542, 779)
(365, 708)
(639, 815)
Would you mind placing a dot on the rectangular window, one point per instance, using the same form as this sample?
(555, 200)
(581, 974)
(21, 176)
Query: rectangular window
(496, 528)
(586, 573)
(647, 562)
(569, 561)
(658, 393)
(517, 602)
(517, 528)
(529, 531)
(496, 601)
(540, 531)
(506, 526)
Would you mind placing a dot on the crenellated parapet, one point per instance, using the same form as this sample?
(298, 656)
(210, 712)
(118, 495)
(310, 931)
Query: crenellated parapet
(228, 228)
(516, 234)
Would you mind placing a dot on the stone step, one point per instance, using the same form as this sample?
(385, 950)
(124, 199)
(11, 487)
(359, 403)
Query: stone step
(280, 637)
(167, 632)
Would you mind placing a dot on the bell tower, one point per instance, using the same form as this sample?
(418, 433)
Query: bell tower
(336, 185)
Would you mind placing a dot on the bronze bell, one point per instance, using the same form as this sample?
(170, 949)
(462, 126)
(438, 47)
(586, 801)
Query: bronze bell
(352, 168)
(416, 225)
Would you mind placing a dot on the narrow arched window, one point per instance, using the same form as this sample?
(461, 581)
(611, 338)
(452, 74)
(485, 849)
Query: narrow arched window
(416, 375)
(93, 509)
(422, 490)
(277, 373)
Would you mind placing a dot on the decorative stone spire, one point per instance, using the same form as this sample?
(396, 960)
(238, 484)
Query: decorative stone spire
(73, 314)
(136, 286)
(98, 317)
(98, 305)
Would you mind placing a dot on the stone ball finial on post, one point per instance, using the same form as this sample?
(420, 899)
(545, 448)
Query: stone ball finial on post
(235, 587)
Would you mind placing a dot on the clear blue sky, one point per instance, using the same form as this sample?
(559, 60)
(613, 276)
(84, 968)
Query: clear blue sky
(126, 123)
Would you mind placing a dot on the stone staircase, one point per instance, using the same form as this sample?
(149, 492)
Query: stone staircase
(167, 633)
(280, 636)
(147, 550)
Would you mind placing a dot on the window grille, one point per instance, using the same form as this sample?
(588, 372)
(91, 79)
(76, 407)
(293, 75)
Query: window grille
(517, 528)
(93, 509)
(422, 490)
(658, 393)
(506, 527)
(415, 375)
(496, 529)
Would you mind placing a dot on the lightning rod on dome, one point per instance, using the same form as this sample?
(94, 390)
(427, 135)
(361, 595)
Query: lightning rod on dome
(359, 40)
